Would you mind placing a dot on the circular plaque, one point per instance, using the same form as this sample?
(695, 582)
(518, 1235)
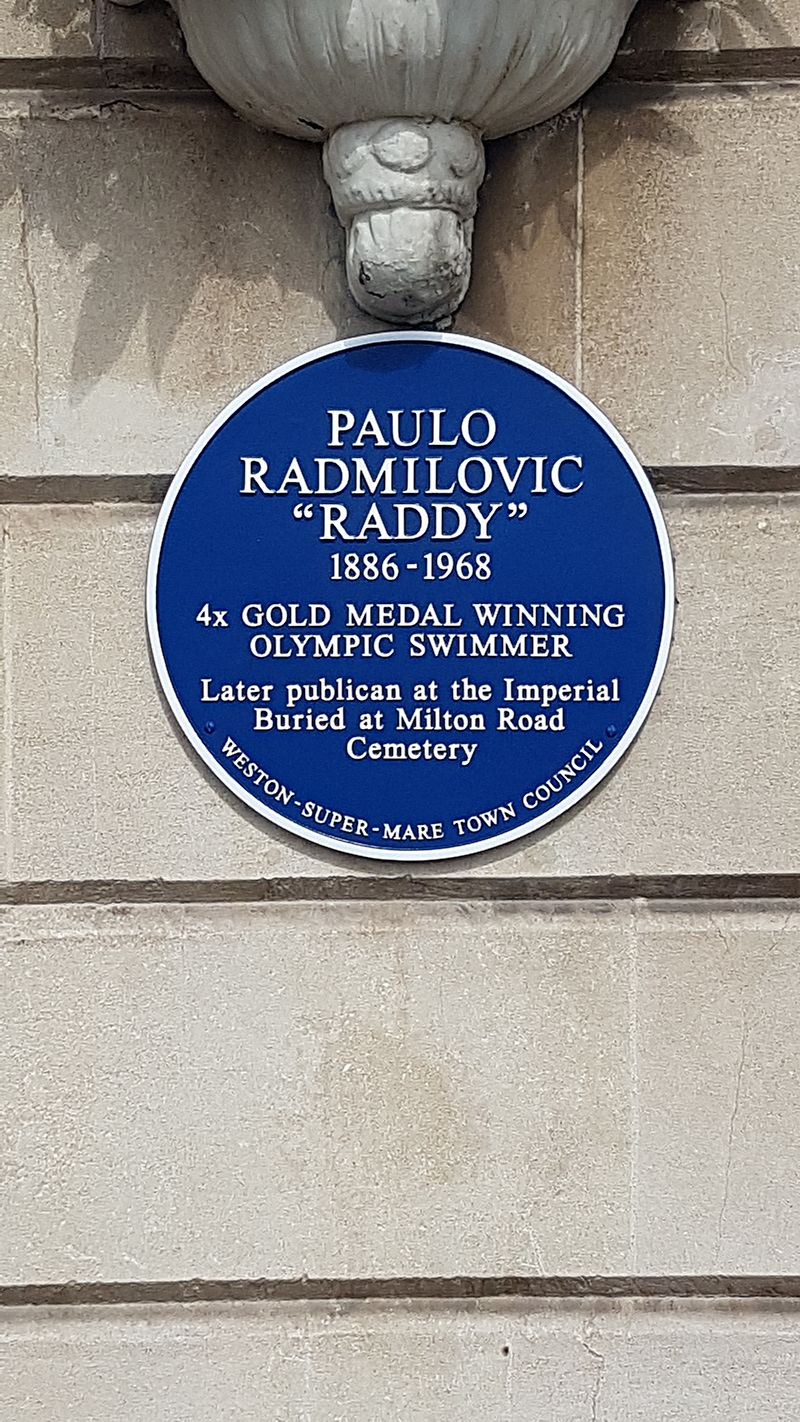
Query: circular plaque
(410, 596)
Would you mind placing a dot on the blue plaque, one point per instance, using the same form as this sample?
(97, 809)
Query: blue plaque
(410, 596)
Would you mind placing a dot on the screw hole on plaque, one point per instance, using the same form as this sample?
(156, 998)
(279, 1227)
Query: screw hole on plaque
(209, 728)
(611, 732)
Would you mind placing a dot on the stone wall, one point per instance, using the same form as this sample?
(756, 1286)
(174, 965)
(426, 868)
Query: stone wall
(292, 1136)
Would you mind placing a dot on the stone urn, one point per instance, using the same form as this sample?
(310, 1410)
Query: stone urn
(402, 94)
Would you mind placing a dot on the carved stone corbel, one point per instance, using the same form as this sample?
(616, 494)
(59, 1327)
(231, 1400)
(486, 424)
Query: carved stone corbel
(402, 94)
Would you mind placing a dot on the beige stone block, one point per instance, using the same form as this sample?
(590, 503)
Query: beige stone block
(332, 1090)
(148, 31)
(544, 1362)
(750, 24)
(691, 330)
(45, 27)
(318, 1364)
(18, 321)
(688, 1361)
(399, 1089)
(173, 257)
(523, 288)
(102, 785)
(712, 25)
(717, 1160)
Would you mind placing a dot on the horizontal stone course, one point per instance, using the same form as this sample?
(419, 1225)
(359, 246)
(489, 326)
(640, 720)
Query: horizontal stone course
(366, 1363)
(398, 1090)
(198, 281)
(140, 326)
(216, 257)
(305, 1090)
(100, 784)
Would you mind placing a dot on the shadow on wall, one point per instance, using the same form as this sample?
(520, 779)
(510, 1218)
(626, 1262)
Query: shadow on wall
(724, 24)
(738, 23)
(159, 220)
(161, 216)
(528, 188)
(530, 206)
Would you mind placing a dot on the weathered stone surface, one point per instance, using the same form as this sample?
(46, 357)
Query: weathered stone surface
(195, 281)
(216, 258)
(45, 27)
(148, 31)
(665, 25)
(18, 323)
(523, 277)
(102, 785)
(326, 1090)
(546, 1362)
(690, 339)
(712, 25)
(399, 1089)
(70, 28)
(198, 280)
(718, 1092)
